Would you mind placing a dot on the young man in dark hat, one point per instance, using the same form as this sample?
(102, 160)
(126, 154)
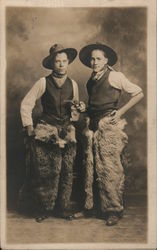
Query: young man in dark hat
(53, 144)
(104, 135)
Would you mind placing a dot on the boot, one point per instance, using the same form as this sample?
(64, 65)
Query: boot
(113, 218)
(42, 215)
(40, 218)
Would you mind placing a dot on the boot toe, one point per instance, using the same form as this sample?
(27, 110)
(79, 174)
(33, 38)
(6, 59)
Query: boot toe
(39, 219)
(112, 220)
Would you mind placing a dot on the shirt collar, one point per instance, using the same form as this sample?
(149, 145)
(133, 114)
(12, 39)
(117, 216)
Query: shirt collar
(59, 81)
(98, 75)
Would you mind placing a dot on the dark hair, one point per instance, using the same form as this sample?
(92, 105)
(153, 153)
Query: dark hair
(60, 52)
(105, 55)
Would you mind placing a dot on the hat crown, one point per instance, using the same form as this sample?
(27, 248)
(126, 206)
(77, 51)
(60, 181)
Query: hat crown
(56, 48)
(99, 43)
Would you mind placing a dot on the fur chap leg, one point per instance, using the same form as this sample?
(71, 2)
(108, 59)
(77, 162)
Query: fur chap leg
(109, 141)
(66, 178)
(88, 168)
(47, 164)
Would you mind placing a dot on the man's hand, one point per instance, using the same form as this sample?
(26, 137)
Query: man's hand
(82, 107)
(115, 116)
(30, 131)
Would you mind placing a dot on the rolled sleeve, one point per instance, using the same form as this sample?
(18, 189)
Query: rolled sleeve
(29, 101)
(75, 91)
(119, 81)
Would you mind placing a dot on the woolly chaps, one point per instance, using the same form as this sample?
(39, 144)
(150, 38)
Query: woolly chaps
(52, 166)
(102, 155)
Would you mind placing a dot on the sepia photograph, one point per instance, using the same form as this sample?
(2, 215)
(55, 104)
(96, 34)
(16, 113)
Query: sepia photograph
(78, 124)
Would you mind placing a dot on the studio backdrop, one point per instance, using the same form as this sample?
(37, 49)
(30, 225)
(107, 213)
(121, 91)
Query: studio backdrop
(30, 32)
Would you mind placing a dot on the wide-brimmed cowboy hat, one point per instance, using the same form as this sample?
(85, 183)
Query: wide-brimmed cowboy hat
(85, 53)
(57, 48)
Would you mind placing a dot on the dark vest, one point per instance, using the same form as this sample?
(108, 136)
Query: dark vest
(53, 100)
(102, 96)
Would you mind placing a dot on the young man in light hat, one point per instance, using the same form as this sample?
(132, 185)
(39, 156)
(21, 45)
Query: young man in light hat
(53, 144)
(104, 136)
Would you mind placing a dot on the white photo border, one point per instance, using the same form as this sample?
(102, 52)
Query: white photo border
(151, 118)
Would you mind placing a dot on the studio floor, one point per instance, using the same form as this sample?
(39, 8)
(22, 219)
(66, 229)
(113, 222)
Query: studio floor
(132, 228)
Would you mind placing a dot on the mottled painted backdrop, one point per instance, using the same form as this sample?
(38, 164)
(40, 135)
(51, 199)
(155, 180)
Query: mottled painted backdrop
(31, 31)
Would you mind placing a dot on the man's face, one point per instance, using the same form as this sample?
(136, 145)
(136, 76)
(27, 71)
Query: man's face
(98, 60)
(60, 63)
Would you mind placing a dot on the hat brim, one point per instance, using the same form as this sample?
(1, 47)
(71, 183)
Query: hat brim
(85, 54)
(48, 61)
